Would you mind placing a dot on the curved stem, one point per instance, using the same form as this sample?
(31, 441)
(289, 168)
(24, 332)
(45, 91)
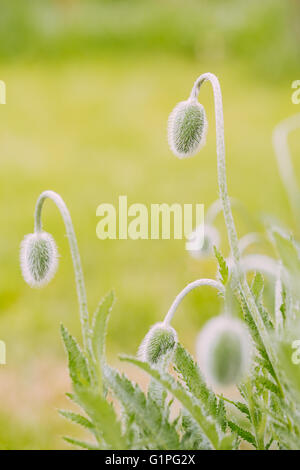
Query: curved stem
(284, 161)
(186, 290)
(232, 235)
(80, 285)
(222, 182)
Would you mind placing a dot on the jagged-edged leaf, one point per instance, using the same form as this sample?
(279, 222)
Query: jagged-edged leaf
(148, 415)
(157, 393)
(246, 435)
(190, 403)
(223, 268)
(103, 417)
(221, 414)
(264, 383)
(191, 375)
(99, 326)
(78, 365)
(82, 444)
(265, 364)
(78, 419)
(242, 407)
(192, 436)
(257, 290)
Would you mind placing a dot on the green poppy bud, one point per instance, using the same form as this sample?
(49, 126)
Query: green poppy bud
(159, 340)
(224, 351)
(39, 258)
(187, 128)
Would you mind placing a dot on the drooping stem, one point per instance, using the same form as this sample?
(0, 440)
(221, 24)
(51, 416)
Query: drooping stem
(232, 235)
(186, 290)
(231, 230)
(80, 285)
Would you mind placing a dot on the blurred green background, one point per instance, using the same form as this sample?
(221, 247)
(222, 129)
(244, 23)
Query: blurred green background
(90, 85)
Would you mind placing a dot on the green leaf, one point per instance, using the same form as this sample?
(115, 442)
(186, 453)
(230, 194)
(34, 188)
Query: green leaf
(103, 417)
(192, 436)
(99, 327)
(223, 268)
(148, 415)
(246, 435)
(78, 419)
(82, 444)
(191, 404)
(264, 383)
(242, 407)
(191, 375)
(78, 366)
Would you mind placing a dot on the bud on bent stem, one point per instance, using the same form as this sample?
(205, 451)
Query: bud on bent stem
(160, 340)
(39, 260)
(187, 128)
(231, 229)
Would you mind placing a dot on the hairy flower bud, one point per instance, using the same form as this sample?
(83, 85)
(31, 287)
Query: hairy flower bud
(159, 340)
(224, 351)
(187, 128)
(39, 258)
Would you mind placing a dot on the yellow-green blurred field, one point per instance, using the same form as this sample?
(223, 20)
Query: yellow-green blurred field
(93, 128)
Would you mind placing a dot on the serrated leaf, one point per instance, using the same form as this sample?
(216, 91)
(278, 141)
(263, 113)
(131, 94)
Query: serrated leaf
(78, 365)
(190, 403)
(78, 419)
(191, 375)
(99, 326)
(103, 417)
(264, 383)
(246, 435)
(242, 407)
(148, 415)
(82, 444)
(192, 436)
(223, 268)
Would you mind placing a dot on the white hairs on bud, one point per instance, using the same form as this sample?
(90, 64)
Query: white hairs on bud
(38, 258)
(187, 128)
(224, 350)
(159, 340)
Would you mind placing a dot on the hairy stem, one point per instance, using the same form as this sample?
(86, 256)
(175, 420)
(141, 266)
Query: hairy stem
(222, 181)
(231, 230)
(186, 290)
(80, 285)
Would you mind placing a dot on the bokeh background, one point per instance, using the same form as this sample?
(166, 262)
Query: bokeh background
(90, 85)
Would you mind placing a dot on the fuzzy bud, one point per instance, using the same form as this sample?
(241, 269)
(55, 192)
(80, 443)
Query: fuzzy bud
(159, 340)
(187, 128)
(224, 351)
(39, 258)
